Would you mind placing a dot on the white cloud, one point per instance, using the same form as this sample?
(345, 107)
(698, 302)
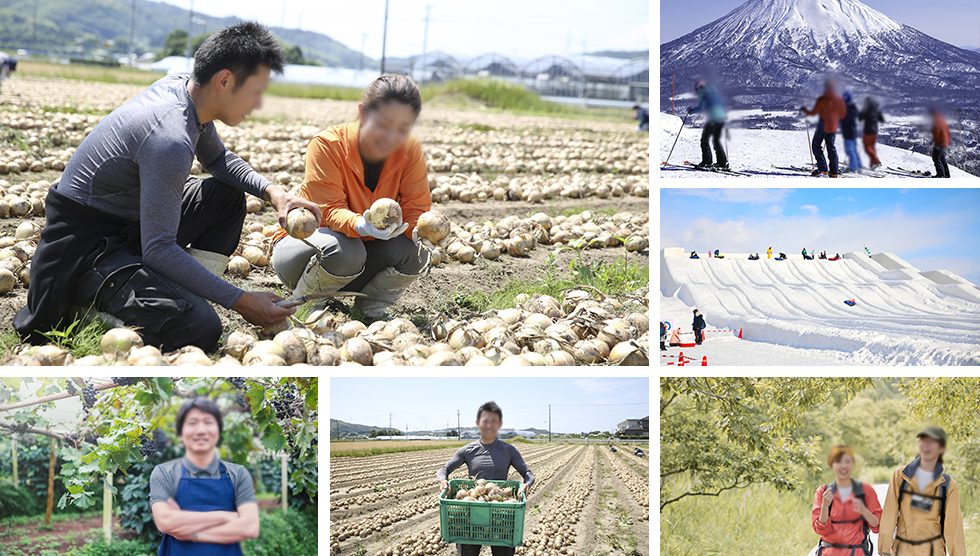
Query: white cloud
(812, 208)
(893, 231)
(601, 385)
(753, 196)
(637, 38)
(775, 210)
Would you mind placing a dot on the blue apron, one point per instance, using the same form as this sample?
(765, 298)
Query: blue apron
(202, 495)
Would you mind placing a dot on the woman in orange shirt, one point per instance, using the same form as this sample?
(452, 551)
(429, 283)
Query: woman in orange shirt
(845, 509)
(348, 167)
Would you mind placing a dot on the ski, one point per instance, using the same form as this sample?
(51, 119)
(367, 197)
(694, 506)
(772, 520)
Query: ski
(916, 172)
(716, 170)
(909, 173)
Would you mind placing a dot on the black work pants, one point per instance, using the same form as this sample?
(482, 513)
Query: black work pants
(474, 550)
(939, 159)
(712, 133)
(165, 313)
(821, 137)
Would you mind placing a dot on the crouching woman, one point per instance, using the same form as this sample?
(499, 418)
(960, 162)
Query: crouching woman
(844, 511)
(348, 168)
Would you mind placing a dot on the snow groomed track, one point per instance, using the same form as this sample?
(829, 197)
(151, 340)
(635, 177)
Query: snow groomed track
(902, 316)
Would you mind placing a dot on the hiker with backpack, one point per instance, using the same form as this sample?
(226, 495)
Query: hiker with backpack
(845, 512)
(922, 515)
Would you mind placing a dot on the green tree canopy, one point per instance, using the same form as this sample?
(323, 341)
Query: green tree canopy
(718, 434)
(176, 43)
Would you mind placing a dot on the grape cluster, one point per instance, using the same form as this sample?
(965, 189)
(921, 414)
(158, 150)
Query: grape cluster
(240, 400)
(19, 428)
(284, 406)
(70, 387)
(125, 380)
(88, 398)
(237, 382)
(73, 438)
(92, 438)
(148, 445)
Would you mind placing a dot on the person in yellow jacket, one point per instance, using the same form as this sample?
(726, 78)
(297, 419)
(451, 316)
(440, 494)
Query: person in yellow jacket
(769, 253)
(922, 515)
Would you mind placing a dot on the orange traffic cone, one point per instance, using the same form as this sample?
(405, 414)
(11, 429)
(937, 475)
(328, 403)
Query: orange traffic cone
(739, 333)
(704, 361)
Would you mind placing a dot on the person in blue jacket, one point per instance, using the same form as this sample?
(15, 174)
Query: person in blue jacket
(643, 116)
(849, 131)
(711, 102)
(698, 326)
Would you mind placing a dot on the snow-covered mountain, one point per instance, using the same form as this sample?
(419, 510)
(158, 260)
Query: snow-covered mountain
(777, 52)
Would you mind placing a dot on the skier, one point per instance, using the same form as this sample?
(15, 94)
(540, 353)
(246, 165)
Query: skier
(694, 255)
(698, 326)
(712, 103)
(849, 131)
(866, 250)
(643, 116)
(663, 336)
(831, 108)
(769, 253)
(940, 142)
(871, 115)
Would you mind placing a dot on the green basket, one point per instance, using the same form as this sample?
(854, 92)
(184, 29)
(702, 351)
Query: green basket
(489, 523)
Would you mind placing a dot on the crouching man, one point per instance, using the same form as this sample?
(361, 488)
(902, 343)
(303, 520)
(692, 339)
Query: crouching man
(129, 234)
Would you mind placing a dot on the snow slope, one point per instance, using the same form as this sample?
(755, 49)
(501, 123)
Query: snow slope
(756, 150)
(902, 316)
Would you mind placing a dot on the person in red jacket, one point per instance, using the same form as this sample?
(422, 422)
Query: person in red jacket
(940, 142)
(831, 108)
(844, 508)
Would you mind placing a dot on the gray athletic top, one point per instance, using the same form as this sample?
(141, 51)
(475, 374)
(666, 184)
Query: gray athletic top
(164, 479)
(491, 461)
(134, 165)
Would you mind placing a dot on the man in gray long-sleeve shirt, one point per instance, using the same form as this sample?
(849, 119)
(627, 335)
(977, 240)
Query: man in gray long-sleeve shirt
(488, 458)
(165, 238)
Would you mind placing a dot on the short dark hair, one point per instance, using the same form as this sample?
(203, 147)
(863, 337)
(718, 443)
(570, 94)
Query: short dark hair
(203, 404)
(392, 87)
(491, 407)
(241, 49)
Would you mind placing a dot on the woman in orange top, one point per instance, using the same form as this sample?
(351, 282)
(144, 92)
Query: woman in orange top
(844, 508)
(348, 167)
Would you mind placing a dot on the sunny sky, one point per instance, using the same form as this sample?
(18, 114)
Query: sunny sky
(510, 27)
(954, 21)
(932, 229)
(577, 404)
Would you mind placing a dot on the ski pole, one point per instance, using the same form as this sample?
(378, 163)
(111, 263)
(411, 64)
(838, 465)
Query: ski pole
(676, 138)
(809, 146)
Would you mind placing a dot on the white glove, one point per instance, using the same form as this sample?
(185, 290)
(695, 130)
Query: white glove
(364, 228)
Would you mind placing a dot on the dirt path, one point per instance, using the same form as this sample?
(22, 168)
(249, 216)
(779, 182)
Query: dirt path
(617, 531)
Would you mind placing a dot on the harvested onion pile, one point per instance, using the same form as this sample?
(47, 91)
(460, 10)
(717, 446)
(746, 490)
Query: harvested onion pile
(535, 189)
(486, 491)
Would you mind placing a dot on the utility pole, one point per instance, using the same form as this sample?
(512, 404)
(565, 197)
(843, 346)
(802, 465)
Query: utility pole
(363, 42)
(34, 39)
(585, 81)
(384, 39)
(132, 35)
(425, 41)
(389, 426)
(549, 422)
(459, 433)
(190, 30)
(282, 21)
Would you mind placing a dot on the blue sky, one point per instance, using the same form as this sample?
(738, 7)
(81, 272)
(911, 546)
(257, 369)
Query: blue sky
(510, 27)
(577, 404)
(954, 21)
(930, 228)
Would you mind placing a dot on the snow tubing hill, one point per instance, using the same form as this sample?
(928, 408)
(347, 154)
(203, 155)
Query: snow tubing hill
(902, 315)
